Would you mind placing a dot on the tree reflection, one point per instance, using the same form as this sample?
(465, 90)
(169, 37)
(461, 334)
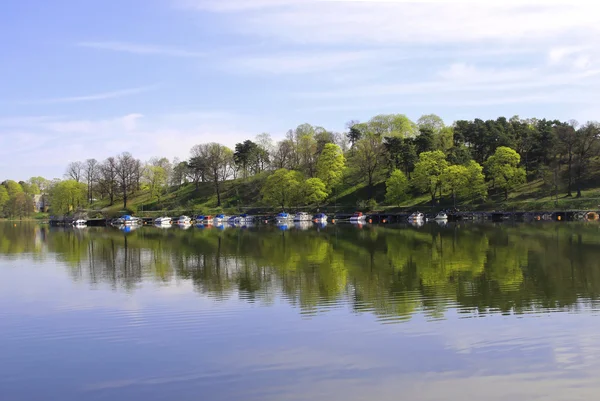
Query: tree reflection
(391, 272)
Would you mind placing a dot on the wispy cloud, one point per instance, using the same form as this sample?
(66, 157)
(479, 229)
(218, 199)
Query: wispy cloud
(142, 49)
(94, 97)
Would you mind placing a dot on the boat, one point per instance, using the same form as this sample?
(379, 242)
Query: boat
(220, 219)
(204, 219)
(358, 217)
(127, 220)
(302, 216)
(163, 221)
(80, 223)
(416, 216)
(184, 220)
(320, 218)
(441, 216)
(246, 219)
(283, 217)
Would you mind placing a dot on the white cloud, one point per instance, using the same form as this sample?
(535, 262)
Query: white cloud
(400, 22)
(57, 141)
(93, 97)
(142, 49)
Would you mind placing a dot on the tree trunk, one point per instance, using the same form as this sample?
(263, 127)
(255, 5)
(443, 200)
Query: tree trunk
(218, 189)
(569, 177)
(505, 193)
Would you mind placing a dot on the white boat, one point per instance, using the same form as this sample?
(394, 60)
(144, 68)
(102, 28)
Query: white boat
(416, 216)
(441, 216)
(320, 218)
(80, 223)
(358, 217)
(184, 220)
(128, 220)
(242, 219)
(163, 221)
(302, 216)
(283, 218)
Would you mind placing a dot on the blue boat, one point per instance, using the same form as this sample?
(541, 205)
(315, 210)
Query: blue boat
(320, 218)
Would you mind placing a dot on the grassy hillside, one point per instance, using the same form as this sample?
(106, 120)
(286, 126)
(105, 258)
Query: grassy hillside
(244, 196)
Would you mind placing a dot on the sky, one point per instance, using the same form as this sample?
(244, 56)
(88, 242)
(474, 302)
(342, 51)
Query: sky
(83, 79)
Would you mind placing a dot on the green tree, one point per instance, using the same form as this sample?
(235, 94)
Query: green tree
(314, 191)
(156, 176)
(20, 205)
(66, 196)
(428, 171)
(281, 188)
(396, 187)
(42, 183)
(431, 122)
(330, 166)
(12, 187)
(455, 180)
(476, 187)
(503, 169)
(3, 197)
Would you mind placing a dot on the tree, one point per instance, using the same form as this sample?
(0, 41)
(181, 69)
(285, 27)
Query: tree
(20, 205)
(431, 122)
(428, 171)
(354, 132)
(42, 183)
(156, 177)
(75, 171)
(455, 180)
(314, 191)
(396, 187)
(281, 187)
(566, 140)
(476, 187)
(91, 172)
(244, 155)
(3, 197)
(127, 170)
(368, 157)
(29, 189)
(503, 169)
(108, 178)
(330, 166)
(587, 146)
(12, 187)
(219, 163)
(425, 141)
(66, 196)
(178, 175)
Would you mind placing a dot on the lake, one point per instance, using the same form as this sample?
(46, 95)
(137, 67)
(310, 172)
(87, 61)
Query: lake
(456, 312)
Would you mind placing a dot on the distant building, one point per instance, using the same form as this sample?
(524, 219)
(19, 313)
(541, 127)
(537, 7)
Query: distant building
(41, 203)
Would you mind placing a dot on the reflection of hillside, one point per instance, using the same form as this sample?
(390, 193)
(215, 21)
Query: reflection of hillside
(392, 272)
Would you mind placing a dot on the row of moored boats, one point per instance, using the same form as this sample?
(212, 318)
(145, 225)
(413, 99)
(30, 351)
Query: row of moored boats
(281, 218)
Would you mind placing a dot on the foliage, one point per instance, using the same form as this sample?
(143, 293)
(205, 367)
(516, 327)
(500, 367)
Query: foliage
(396, 187)
(330, 166)
(476, 187)
(66, 196)
(503, 169)
(455, 181)
(313, 191)
(428, 172)
(281, 188)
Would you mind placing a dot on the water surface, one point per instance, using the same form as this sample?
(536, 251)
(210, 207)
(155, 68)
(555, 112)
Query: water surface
(331, 313)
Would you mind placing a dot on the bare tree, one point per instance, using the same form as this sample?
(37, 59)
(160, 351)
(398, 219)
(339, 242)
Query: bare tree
(108, 178)
(219, 161)
(91, 171)
(75, 171)
(127, 172)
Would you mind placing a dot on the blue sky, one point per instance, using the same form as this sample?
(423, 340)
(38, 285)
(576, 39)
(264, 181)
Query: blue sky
(81, 79)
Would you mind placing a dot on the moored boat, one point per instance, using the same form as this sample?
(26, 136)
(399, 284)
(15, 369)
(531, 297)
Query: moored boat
(302, 216)
(80, 223)
(320, 218)
(283, 218)
(441, 216)
(184, 220)
(358, 217)
(416, 216)
(127, 220)
(163, 221)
